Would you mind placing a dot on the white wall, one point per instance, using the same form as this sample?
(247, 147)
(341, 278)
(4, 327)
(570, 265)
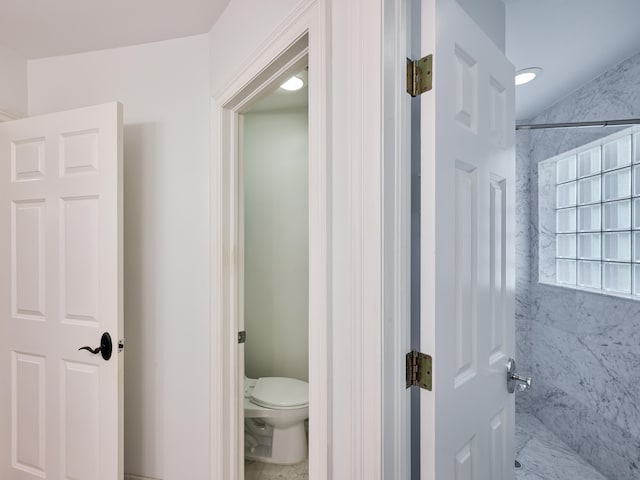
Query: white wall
(236, 35)
(13, 83)
(490, 16)
(164, 89)
(276, 249)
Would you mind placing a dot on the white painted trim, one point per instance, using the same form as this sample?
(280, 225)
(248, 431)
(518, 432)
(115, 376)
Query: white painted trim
(307, 25)
(320, 312)
(365, 48)
(357, 248)
(397, 241)
(6, 116)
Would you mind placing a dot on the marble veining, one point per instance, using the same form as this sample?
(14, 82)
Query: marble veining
(545, 457)
(583, 348)
(614, 451)
(523, 266)
(547, 217)
(583, 367)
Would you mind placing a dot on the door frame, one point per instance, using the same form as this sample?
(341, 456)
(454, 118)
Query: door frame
(398, 186)
(301, 35)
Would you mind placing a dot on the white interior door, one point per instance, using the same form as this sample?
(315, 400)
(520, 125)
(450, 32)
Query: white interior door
(61, 413)
(467, 250)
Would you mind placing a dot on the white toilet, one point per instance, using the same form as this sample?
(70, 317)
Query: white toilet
(275, 409)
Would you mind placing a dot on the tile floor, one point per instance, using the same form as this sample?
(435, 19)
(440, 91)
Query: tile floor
(265, 471)
(545, 457)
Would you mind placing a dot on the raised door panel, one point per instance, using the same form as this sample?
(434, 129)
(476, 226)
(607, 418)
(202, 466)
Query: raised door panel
(80, 447)
(498, 451)
(79, 255)
(497, 269)
(466, 283)
(28, 260)
(27, 160)
(466, 89)
(28, 412)
(79, 153)
(465, 460)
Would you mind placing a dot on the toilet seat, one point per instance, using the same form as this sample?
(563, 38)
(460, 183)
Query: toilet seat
(280, 393)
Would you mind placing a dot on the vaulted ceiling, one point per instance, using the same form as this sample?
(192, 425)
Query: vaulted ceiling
(572, 40)
(43, 28)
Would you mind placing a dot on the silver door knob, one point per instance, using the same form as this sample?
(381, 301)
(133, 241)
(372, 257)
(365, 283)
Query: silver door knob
(514, 379)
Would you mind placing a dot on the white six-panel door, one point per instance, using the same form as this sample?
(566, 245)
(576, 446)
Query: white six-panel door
(467, 250)
(60, 289)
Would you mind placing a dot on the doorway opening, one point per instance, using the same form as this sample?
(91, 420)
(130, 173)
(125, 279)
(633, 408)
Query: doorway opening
(274, 288)
(284, 56)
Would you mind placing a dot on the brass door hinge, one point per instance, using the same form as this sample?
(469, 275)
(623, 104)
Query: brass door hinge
(419, 368)
(419, 75)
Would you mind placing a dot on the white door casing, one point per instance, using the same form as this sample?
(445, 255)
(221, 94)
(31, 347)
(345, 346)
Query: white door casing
(467, 250)
(61, 409)
(398, 131)
(299, 40)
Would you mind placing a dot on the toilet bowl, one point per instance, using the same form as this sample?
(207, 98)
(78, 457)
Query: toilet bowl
(275, 409)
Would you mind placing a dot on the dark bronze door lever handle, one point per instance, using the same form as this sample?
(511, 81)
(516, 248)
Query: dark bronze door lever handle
(105, 348)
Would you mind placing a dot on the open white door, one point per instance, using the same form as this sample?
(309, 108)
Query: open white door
(467, 250)
(61, 414)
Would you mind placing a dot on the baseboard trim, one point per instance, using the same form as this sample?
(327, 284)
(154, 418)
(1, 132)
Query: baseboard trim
(5, 115)
(128, 476)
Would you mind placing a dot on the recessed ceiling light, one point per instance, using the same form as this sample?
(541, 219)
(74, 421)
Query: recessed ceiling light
(293, 84)
(527, 75)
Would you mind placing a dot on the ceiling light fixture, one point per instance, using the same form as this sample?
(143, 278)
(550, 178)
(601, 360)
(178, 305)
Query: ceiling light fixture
(293, 84)
(527, 75)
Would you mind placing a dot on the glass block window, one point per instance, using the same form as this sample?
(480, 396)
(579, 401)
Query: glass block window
(589, 208)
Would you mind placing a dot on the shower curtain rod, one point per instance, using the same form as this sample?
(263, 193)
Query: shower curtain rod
(603, 123)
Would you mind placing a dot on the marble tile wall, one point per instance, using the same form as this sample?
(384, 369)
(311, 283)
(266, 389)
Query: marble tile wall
(523, 267)
(583, 348)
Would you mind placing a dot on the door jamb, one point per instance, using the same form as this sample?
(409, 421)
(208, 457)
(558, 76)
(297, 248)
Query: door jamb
(302, 33)
(398, 194)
